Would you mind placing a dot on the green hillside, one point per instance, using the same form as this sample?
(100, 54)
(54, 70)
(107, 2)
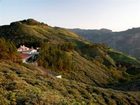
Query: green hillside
(125, 41)
(28, 85)
(92, 74)
(32, 32)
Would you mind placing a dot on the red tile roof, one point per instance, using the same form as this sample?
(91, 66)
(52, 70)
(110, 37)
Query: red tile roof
(24, 56)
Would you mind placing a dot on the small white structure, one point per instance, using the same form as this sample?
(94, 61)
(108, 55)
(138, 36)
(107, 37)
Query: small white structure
(32, 51)
(26, 50)
(59, 76)
(23, 48)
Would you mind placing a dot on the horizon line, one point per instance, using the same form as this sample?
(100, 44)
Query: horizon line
(73, 27)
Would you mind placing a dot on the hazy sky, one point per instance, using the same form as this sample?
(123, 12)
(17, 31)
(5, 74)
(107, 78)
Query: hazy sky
(90, 14)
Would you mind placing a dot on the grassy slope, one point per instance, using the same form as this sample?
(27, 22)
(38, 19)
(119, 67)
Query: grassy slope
(95, 69)
(21, 32)
(132, 64)
(26, 84)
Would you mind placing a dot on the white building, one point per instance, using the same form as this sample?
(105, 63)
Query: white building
(26, 53)
(26, 50)
(23, 48)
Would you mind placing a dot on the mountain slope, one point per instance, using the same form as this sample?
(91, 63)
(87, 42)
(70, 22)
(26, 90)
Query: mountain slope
(125, 41)
(96, 73)
(24, 85)
(34, 32)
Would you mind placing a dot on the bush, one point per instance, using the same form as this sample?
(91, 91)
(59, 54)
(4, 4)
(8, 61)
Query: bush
(8, 50)
(55, 57)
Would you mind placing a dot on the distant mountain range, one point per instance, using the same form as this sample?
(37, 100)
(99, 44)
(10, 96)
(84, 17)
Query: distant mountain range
(126, 41)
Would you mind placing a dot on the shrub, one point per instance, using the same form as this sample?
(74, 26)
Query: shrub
(8, 50)
(55, 57)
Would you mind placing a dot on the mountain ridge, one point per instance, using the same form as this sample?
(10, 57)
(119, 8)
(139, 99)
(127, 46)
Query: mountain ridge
(125, 41)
